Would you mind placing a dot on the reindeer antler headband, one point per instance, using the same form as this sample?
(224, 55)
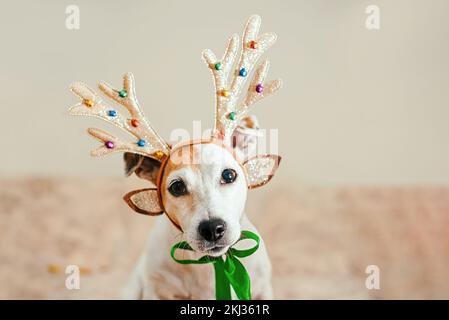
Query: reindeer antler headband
(229, 110)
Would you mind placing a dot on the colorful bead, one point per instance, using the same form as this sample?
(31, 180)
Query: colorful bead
(243, 72)
(112, 113)
(232, 115)
(259, 88)
(225, 93)
(135, 123)
(253, 44)
(123, 93)
(88, 103)
(218, 66)
(159, 154)
(141, 143)
(109, 144)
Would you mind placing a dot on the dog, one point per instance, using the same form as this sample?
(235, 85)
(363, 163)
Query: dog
(206, 196)
(201, 185)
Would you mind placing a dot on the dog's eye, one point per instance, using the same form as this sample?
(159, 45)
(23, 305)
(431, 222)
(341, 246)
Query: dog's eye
(228, 176)
(177, 188)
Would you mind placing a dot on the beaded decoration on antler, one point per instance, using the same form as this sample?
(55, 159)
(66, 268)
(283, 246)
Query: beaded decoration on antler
(228, 111)
(148, 142)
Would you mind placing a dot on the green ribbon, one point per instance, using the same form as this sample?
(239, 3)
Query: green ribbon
(229, 272)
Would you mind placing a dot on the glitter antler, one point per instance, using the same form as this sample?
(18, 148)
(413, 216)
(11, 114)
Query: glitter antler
(148, 142)
(228, 112)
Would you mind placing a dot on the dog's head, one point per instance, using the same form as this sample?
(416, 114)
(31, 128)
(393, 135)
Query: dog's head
(202, 187)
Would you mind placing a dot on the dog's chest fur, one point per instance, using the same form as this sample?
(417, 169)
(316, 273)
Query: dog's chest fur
(157, 276)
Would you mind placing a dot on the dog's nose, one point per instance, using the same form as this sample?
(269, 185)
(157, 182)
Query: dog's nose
(212, 230)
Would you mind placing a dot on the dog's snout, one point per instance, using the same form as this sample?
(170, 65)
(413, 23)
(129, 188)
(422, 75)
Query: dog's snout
(212, 230)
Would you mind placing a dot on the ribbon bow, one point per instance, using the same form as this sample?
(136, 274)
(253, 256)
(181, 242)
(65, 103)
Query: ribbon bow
(229, 272)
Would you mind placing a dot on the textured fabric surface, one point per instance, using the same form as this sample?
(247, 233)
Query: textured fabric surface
(320, 240)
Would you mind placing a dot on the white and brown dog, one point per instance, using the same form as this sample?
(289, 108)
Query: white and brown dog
(201, 186)
(205, 198)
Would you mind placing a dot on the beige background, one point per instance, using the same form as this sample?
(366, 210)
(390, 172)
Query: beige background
(358, 107)
(363, 128)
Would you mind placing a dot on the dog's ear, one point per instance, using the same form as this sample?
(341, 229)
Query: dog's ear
(145, 201)
(260, 169)
(245, 136)
(144, 167)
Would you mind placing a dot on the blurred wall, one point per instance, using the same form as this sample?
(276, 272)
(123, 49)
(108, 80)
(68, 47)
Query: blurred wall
(357, 107)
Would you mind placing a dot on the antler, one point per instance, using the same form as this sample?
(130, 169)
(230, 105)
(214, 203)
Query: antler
(228, 113)
(148, 142)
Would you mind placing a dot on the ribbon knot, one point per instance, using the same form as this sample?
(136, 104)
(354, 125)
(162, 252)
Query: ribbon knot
(229, 272)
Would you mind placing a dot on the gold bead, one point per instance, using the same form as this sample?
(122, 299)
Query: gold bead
(88, 103)
(159, 154)
(225, 93)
